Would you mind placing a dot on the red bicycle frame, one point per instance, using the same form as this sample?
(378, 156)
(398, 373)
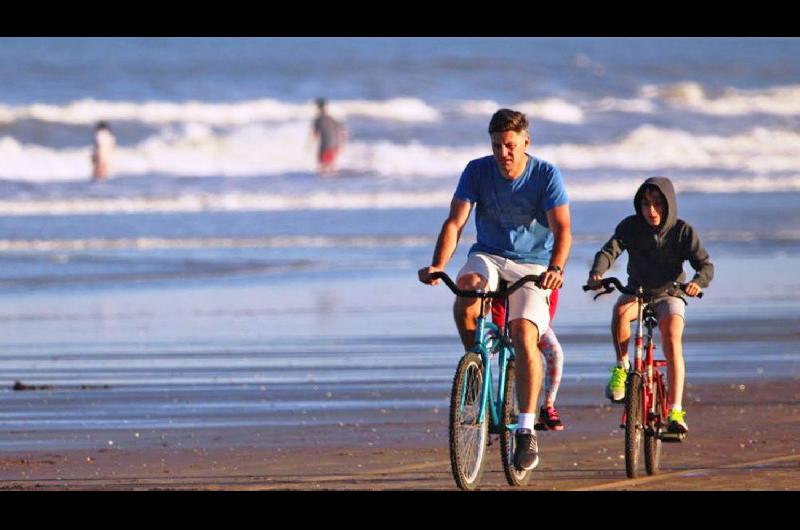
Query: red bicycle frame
(647, 365)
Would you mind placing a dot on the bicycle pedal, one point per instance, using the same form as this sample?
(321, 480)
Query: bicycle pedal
(672, 437)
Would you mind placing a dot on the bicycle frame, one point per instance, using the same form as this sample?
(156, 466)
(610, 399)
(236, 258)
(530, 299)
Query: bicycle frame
(645, 390)
(484, 333)
(647, 365)
(491, 400)
(494, 409)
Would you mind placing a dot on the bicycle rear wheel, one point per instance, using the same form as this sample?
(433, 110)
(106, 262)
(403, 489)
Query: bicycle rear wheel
(509, 415)
(468, 436)
(652, 443)
(633, 424)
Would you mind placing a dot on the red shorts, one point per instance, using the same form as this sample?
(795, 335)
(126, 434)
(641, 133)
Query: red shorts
(327, 156)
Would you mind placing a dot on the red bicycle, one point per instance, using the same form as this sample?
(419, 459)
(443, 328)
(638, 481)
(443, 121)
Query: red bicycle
(645, 412)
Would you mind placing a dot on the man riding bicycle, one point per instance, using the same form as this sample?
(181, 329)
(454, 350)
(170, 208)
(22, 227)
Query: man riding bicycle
(523, 227)
(657, 243)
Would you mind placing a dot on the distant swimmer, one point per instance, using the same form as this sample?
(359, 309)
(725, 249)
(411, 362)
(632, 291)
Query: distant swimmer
(104, 144)
(331, 135)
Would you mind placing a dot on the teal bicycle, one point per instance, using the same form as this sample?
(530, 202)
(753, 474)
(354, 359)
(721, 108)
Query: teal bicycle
(483, 403)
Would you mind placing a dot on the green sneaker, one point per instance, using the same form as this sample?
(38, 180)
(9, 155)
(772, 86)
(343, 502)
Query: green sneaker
(615, 391)
(677, 422)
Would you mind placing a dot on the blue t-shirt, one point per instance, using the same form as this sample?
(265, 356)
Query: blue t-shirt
(511, 215)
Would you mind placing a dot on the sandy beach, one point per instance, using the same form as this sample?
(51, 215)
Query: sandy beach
(744, 436)
(216, 316)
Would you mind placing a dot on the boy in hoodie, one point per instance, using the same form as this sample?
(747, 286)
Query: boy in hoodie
(657, 243)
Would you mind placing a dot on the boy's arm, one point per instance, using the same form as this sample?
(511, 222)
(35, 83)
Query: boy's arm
(607, 255)
(699, 259)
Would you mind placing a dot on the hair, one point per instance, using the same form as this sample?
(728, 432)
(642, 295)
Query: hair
(508, 120)
(102, 125)
(652, 188)
(321, 103)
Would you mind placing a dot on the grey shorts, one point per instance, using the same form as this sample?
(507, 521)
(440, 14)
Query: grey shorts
(664, 306)
(529, 302)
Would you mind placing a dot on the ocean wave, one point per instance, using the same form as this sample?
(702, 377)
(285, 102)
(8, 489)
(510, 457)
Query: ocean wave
(89, 111)
(551, 109)
(155, 243)
(195, 150)
(689, 95)
(234, 201)
(322, 241)
(428, 196)
(758, 151)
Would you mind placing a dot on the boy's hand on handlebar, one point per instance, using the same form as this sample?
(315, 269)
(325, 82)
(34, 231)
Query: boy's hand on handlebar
(425, 275)
(594, 281)
(691, 289)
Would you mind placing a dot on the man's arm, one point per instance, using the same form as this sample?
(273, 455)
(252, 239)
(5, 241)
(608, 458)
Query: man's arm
(560, 224)
(448, 239)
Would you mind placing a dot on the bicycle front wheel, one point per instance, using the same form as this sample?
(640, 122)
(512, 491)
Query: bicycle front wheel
(509, 415)
(633, 424)
(652, 442)
(468, 435)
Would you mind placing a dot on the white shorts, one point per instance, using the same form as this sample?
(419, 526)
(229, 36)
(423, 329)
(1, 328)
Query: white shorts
(528, 302)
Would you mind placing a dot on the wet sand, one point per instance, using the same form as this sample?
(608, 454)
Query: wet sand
(744, 436)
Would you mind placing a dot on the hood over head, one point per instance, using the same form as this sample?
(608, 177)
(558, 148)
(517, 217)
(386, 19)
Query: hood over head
(664, 185)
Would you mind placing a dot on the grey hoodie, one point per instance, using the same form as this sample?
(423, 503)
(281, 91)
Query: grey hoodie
(656, 254)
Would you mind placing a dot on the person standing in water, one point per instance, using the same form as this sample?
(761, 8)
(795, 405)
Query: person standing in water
(331, 135)
(104, 144)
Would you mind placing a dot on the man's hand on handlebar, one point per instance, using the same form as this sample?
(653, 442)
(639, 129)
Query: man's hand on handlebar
(425, 275)
(551, 280)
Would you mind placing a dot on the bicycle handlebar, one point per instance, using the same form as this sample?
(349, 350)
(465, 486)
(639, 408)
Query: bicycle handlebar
(610, 283)
(500, 293)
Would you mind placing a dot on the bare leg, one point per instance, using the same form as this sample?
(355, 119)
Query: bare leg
(528, 374)
(671, 335)
(621, 319)
(466, 310)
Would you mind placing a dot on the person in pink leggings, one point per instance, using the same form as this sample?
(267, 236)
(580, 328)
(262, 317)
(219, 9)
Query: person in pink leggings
(554, 358)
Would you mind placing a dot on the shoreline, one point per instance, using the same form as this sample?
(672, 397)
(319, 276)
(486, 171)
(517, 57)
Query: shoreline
(740, 439)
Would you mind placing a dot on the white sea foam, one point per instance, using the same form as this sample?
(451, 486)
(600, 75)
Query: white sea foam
(623, 188)
(154, 243)
(209, 202)
(602, 188)
(689, 95)
(551, 109)
(648, 148)
(89, 111)
(258, 150)
(317, 241)
(636, 105)
(780, 100)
